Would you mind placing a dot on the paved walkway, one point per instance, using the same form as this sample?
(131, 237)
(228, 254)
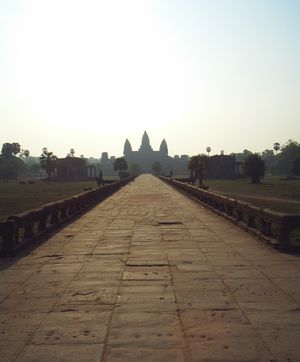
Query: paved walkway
(149, 275)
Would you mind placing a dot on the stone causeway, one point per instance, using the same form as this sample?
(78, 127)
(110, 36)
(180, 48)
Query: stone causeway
(149, 275)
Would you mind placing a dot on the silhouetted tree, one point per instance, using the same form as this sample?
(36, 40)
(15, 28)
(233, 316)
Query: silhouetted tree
(10, 149)
(291, 150)
(269, 158)
(241, 156)
(25, 153)
(156, 168)
(120, 164)
(276, 147)
(11, 168)
(197, 165)
(192, 168)
(254, 167)
(47, 161)
(296, 166)
(10, 165)
(283, 162)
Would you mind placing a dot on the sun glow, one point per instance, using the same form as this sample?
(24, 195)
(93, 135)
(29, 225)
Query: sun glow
(87, 74)
(104, 61)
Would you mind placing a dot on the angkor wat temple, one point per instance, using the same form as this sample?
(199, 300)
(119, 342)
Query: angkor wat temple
(146, 156)
(75, 169)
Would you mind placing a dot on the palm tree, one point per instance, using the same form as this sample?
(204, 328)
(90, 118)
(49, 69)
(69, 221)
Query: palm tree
(26, 153)
(192, 167)
(47, 160)
(276, 147)
(254, 167)
(198, 164)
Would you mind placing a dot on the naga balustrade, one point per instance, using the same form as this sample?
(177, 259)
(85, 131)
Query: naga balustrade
(25, 227)
(276, 228)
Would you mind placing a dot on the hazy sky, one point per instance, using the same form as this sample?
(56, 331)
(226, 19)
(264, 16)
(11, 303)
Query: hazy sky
(89, 74)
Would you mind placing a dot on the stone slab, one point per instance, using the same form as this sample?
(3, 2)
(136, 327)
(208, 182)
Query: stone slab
(62, 353)
(135, 354)
(73, 327)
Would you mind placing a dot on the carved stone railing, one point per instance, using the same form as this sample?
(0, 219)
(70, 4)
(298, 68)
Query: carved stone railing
(273, 227)
(28, 226)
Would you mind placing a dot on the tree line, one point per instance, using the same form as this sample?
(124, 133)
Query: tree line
(280, 160)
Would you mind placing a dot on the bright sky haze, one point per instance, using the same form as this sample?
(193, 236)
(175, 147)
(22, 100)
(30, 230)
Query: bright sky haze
(89, 74)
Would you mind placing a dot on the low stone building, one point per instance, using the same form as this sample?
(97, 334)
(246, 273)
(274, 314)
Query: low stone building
(71, 169)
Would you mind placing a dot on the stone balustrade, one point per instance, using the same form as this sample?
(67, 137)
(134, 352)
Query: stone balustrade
(23, 228)
(271, 226)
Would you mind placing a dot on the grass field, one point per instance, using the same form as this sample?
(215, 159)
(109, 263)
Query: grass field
(15, 197)
(273, 192)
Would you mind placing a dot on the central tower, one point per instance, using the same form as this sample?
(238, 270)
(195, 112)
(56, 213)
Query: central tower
(145, 145)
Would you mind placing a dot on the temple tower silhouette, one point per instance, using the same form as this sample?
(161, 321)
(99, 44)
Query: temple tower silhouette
(146, 156)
